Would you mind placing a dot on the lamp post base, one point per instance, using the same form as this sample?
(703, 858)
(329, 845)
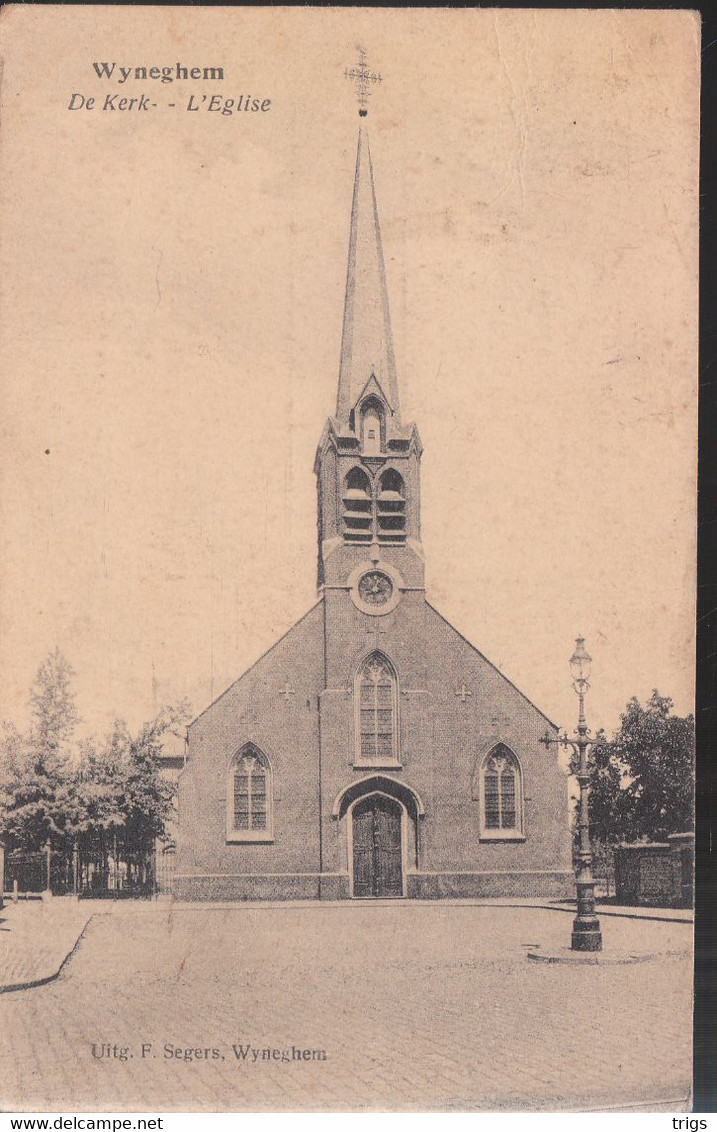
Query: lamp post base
(586, 935)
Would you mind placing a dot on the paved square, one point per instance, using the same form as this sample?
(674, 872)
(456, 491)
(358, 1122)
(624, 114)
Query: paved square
(417, 1007)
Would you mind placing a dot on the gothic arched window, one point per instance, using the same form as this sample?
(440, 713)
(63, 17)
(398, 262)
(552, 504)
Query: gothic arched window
(372, 426)
(501, 794)
(357, 507)
(249, 801)
(376, 695)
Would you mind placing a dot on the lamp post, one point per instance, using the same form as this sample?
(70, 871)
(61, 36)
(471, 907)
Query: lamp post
(586, 926)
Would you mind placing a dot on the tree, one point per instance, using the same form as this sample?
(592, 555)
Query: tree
(109, 801)
(123, 800)
(607, 794)
(137, 797)
(53, 704)
(34, 776)
(658, 749)
(642, 780)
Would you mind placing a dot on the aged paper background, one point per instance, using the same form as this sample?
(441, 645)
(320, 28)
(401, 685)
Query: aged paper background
(172, 291)
(173, 288)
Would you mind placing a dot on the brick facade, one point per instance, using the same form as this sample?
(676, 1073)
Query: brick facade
(372, 750)
(308, 738)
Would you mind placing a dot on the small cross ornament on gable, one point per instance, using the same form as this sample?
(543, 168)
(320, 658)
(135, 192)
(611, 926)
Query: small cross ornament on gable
(463, 693)
(287, 691)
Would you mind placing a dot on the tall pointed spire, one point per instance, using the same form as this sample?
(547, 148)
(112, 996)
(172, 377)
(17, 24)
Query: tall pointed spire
(368, 460)
(367, 343)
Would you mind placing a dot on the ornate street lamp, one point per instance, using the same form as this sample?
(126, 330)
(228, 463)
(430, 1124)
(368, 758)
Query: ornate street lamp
(586, 926)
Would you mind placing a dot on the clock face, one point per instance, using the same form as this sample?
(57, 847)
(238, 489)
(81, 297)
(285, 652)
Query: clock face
(375, 588)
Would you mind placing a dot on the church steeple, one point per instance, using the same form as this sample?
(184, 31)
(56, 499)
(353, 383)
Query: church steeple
(367, 342)
(368, 460)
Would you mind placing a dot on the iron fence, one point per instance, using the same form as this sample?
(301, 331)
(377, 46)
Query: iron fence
(97, 868)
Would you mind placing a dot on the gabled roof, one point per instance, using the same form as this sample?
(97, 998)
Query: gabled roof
(491, 665)
(258, 660)
(372, 386)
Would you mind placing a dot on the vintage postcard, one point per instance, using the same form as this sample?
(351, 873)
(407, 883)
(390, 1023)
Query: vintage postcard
(348, 567)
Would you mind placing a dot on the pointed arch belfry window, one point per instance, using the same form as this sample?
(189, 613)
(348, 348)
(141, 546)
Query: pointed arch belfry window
(376, 696)
(357, 507)
(372, 426)
(371, 432)
(250, 797)
(501, 794)
(391, 507)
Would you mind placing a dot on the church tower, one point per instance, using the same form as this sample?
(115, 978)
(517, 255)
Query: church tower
(372, 751)
(368, 459)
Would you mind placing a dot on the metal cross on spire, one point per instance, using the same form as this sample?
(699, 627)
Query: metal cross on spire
(363, 78)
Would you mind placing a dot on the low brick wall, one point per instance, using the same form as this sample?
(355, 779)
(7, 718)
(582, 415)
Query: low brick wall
(656, 874)
(285, 886)
(420, 886)
(435, 886)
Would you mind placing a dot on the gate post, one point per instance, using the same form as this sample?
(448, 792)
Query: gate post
(48, 860)
(75, 868)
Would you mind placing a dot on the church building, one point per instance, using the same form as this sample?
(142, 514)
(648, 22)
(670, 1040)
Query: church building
(372, 752)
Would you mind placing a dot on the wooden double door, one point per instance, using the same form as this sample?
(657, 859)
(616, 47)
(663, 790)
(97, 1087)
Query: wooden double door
(377, 848)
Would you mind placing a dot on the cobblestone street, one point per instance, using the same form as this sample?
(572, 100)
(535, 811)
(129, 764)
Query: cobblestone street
(418, 1007)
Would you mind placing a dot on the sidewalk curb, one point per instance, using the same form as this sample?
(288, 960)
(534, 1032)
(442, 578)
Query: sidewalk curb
(28, 984)
(601, 958)
(172, 905)
(626, 915)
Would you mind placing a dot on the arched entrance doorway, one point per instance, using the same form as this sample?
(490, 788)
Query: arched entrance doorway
(382, 817)
(377, 846)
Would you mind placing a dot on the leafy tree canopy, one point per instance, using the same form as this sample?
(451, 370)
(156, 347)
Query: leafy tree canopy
(114, 787)
(642, 780)
(35, 768)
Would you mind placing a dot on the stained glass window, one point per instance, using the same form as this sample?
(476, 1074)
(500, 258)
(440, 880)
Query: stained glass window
(377, 705)
(251, 799)
(501, 791)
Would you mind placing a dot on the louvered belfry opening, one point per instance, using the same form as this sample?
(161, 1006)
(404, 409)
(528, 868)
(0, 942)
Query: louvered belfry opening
(391, 508)
(357, 507)
(374, 511)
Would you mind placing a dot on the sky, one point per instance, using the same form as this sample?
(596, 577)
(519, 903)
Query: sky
(172, 293)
